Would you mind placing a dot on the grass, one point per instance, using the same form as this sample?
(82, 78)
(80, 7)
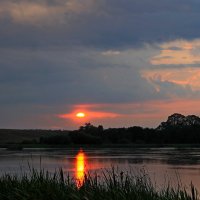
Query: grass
(41, 185)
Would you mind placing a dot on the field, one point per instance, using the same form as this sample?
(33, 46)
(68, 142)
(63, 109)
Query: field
(14, 136)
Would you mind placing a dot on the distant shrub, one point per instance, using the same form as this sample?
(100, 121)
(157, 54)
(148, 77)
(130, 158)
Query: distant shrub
(83, 138)
(56, 139)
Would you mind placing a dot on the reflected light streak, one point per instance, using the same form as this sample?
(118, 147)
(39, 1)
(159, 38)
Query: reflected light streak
(80, 168)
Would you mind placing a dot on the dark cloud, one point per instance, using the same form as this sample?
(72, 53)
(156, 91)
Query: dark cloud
(108, 24)
(64, 77)
(55, 54)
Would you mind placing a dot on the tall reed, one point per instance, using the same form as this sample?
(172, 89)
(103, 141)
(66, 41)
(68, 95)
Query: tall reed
(106, 185)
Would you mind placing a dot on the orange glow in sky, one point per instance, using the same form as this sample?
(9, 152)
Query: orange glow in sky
(80, 168)
(80, 115)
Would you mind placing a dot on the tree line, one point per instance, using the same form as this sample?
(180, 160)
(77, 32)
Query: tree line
(89, 134)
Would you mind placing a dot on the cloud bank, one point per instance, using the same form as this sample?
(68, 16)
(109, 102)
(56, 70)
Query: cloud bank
(56, 55)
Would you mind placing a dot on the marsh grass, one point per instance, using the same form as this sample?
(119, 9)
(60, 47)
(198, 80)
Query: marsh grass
(110, 185)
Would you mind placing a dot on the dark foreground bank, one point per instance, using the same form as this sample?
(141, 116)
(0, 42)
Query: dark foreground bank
(113, 186)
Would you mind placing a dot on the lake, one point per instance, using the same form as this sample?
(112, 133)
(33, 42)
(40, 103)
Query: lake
(163, 165)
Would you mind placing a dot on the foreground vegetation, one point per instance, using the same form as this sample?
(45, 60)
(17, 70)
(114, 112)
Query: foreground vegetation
(112, 186)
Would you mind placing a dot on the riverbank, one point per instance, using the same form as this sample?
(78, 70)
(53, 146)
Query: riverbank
(42, 185)
(19, 146)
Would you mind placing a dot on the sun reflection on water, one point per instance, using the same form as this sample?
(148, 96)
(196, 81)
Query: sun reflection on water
(80, 168)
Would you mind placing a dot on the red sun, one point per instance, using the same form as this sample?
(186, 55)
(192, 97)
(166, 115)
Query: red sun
(80, 115)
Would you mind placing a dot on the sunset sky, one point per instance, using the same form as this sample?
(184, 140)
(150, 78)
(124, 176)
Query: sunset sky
(121, 62)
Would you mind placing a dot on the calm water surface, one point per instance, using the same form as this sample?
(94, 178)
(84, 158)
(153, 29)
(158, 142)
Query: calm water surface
(162, 164)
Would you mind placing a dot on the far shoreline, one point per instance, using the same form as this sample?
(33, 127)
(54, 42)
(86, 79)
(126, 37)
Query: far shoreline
(18, 146)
